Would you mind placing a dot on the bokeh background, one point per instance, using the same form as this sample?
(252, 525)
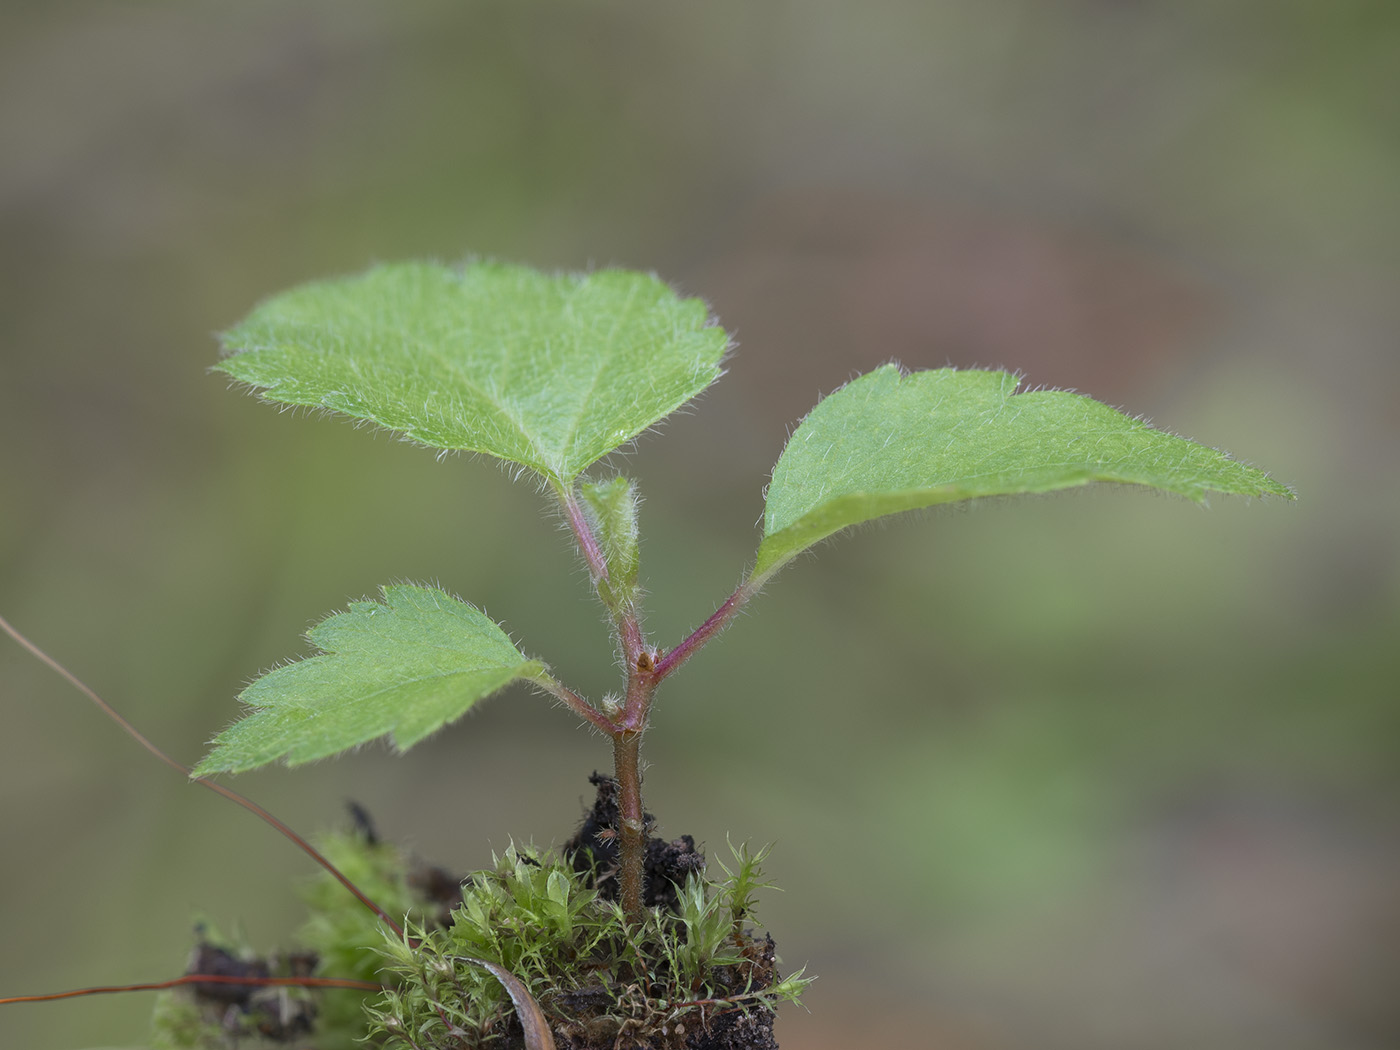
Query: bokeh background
(1094, 771)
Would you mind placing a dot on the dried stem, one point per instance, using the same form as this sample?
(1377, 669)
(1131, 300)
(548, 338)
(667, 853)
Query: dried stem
(203, 978)
(231, 795)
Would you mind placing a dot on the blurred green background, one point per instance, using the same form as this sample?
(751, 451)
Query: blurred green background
(1095, 771)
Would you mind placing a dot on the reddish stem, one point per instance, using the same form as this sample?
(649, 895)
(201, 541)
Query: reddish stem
(626, 732)
(631, 830)
(578, 704)
(629, 627)
(644, 674)
(583, 533)
(629, 634)
(717, 622)
(201, 978)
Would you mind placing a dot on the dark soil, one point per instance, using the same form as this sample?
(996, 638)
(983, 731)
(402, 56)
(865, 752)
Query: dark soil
(594, 849)
(583, 1019)
(248, 1008)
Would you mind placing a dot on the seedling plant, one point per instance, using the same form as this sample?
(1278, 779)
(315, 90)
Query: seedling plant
(620, 939)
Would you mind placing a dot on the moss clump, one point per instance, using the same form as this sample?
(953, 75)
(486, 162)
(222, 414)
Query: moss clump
(346, 936)
(682, 978)
(342, 938)
(693, 974)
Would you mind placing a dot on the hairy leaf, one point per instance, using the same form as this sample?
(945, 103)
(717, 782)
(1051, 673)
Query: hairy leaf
(888, 442)
(404, 668)
(551, 372)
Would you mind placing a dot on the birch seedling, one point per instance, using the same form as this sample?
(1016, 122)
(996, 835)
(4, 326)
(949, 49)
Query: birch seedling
(552, 373)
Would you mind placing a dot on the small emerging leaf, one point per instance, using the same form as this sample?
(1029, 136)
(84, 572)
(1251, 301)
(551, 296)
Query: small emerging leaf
(551, 372)
(612, 511)
(402, 668)
(558, 888)
(888, 442)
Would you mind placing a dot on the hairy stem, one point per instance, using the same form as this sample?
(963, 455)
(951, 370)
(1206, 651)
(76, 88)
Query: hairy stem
(718, 621)
(631, 830)
(625, 619)
(575, 703)
(644, 673)
(587, 542)
(626, 731)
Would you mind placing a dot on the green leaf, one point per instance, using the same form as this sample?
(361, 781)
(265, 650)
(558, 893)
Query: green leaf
(888, 442)
(612, 512)
(402, 668)
(551, 372)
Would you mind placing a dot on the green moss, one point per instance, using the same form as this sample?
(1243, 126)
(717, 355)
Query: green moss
(346, 935)
(594, 976)
(178, 1023)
